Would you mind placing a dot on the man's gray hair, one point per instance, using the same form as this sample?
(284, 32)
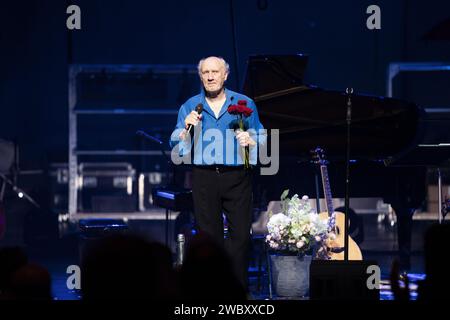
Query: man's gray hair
(225, 64)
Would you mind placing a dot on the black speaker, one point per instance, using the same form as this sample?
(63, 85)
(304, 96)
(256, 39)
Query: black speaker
(93, 230)
(338, 280)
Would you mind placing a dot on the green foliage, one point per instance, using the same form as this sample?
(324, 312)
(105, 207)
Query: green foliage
(284, 200)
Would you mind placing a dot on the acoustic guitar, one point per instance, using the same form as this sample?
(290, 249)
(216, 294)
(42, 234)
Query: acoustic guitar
(336, 222)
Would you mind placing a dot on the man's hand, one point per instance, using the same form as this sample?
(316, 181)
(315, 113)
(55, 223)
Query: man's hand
(192, 119)
(244, 138)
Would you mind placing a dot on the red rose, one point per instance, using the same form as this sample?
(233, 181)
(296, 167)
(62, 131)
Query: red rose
(244, 110)
(240, 109)
(233, 109)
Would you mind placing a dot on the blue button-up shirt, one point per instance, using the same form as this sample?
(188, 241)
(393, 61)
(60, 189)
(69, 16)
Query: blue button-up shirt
(214, 139)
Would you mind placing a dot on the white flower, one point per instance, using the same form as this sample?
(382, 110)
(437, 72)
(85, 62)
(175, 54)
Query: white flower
(300, 244)
(278, 221)
(295, 226)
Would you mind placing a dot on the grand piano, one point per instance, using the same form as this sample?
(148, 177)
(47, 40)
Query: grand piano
(388, 157)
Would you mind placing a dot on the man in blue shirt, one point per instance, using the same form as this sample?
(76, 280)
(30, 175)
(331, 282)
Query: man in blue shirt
(221, 180)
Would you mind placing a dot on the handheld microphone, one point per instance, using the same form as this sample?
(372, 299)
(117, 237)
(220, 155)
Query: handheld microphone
(199, 109)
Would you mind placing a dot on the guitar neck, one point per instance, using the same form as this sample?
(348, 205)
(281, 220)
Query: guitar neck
(327, 189)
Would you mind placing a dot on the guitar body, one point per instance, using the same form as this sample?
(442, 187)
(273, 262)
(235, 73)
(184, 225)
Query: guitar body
(335, 248)
(354, 252)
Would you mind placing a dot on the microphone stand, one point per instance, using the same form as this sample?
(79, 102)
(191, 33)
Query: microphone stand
(20, 193)
(159, 143)
(349, 92)
(15, 170)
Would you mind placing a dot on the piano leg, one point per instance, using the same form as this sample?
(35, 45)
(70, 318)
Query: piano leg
(407, 193)
(404, 232)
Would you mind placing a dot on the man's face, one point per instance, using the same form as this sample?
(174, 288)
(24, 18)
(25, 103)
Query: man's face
(213, 75)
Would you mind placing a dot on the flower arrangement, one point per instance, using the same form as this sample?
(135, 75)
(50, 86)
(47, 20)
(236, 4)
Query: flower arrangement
(242, 111)
(297, 229)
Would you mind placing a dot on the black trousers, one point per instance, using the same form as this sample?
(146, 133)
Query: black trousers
(226, 190)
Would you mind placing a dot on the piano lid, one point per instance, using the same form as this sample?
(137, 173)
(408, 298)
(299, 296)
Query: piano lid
(308, 116)
(269, 76)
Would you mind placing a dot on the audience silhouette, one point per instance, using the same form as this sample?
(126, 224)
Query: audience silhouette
(436, 284)
(20, 280)
(11, 260)
(127, 267)
(207, 273)
(31, 282)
